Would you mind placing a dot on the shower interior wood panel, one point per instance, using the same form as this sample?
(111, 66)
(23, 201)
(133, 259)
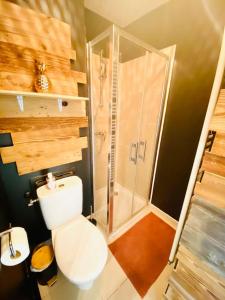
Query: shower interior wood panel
(27, 37)
(41, 143)
(201, 252)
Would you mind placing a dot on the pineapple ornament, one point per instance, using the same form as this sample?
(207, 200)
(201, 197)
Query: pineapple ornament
(41, 81)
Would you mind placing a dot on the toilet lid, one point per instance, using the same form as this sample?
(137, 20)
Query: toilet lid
(80, 250)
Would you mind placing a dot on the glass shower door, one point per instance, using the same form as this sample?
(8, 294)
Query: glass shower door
(152, 106)
(130, 90)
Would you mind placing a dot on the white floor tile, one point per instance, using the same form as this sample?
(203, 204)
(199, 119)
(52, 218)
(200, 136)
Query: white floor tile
(125, 292)
(104, 286)
(159, 286)
(112, 278)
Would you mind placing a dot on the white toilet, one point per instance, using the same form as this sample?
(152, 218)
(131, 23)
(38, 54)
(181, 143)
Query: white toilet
(80, 248)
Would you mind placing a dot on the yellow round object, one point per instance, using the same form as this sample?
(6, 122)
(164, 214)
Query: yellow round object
(42, 257)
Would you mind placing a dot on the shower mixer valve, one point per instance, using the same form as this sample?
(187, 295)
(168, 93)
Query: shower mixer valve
(101, 134)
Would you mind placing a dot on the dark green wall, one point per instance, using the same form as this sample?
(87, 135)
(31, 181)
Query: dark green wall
(196, 27)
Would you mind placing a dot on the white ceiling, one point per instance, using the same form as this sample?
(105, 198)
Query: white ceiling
(122, 12)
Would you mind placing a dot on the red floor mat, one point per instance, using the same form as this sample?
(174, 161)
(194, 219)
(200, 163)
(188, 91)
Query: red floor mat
(143, 251)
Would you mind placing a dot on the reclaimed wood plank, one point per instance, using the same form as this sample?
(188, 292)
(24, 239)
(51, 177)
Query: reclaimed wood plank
(41, 129)
(52, 72)
(212, 188)
(205, 248)
(30, 124)
(218, 147)
(218, 120)
(38, 20)
(181, 283)
(19, 152)
(54, 33)
(211, 223)
(189, 284)
(24, 82)
(186, 252)
(36, 43)
(34, 156)
(26, 57)
(201, 273)
(79, 76)
(213, 164)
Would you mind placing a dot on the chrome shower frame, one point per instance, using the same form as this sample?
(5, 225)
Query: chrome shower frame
(114, 33)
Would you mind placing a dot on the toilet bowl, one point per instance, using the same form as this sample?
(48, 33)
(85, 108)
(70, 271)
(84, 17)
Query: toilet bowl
(80, 251)
(80, 248)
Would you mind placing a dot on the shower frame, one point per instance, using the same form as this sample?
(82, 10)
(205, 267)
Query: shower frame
(114, 33)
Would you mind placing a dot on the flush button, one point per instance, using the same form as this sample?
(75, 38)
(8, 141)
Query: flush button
(61, 185)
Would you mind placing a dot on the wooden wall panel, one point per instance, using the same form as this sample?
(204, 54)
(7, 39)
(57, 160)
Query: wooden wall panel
(213, 164)
(212, 189)
(38, 43)
(187, 287)
(25, 82)
(56, 30)
(198, 272)
(40, 21)
(34, 156)
(218, 146)
(26, 37)
(41, 143)
(41, 129)
(218, 119)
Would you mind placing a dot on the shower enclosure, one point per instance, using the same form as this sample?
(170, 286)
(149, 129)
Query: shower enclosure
(128, 86)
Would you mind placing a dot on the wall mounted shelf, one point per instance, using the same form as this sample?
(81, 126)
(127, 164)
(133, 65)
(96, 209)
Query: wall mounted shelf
(59, 98)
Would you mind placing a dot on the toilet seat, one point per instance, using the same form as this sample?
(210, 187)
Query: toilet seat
(80, 250)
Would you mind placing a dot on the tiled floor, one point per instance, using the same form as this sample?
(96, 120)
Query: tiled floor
(112, 284)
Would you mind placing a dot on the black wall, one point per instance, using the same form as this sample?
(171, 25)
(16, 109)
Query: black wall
(15, 282)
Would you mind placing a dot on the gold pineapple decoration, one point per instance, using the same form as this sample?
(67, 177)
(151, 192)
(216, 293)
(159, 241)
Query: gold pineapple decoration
(41, 81)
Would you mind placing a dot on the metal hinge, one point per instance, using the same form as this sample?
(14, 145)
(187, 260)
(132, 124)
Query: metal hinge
(210, 140)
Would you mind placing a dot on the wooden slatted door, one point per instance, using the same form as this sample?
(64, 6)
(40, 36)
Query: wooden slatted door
(199, 271)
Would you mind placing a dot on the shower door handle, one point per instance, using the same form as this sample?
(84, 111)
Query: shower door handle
(142, 150)
(133, 152)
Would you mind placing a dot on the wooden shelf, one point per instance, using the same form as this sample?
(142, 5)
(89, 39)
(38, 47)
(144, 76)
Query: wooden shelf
(42, 95)
(20, 95)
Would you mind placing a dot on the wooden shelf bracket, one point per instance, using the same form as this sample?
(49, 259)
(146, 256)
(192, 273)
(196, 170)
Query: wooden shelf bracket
(60, 104)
